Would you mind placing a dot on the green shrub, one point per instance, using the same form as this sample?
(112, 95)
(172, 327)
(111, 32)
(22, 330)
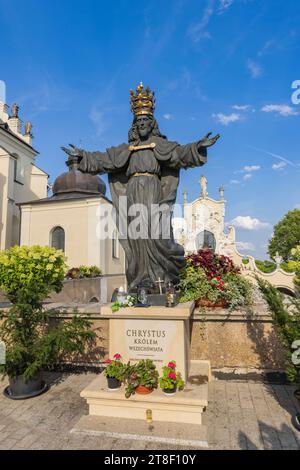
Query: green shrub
(27, 276)
(266, 266)
(83, 272)
(286, 321)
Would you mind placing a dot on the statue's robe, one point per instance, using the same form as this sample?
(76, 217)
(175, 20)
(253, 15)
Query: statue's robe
(148, 258)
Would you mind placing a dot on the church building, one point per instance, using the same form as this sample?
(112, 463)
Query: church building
(20, 178)
(68, 219)
(203, 225)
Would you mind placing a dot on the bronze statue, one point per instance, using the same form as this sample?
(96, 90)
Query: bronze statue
(146, 171)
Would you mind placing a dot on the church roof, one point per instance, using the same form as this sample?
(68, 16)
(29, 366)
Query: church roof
(64, 197)
(5, 127)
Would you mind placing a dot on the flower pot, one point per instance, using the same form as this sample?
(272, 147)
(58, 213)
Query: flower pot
(170, 391)
(209, 303)
(19, 389)
(142, 390)
(113, 383)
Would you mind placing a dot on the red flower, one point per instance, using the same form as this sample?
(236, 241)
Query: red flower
(107, 361)
(172, 365)
(172, 375)
(117, 356)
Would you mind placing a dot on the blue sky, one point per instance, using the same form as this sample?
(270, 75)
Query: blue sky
(217, 65)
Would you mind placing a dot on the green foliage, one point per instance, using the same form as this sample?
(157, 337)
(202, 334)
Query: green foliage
(265, 266)
(171, 378)
(142, 373)
(287, 267)
(27, 276)
(194, 285)
(129, 301)
(286, 321)
(232, 287)
(245, 260)
(115, 368)
(83, 272)
(294, 265)
(238, 291)
(286, 235)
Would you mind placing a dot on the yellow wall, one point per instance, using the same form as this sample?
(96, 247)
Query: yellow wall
(79, 219)
(30, 184)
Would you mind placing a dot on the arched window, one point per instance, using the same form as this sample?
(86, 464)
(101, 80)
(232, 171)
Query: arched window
(57, 238)
(206, 240)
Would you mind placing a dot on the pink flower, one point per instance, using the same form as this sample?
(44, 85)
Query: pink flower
(172, 375)
(117, 356)
(107, 361)
(172, 365)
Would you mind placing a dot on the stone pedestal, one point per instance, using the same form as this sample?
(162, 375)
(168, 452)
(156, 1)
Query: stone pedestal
(157, 333)
(160, 334)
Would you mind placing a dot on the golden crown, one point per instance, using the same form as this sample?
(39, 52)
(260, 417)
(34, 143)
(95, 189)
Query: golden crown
(143, 102)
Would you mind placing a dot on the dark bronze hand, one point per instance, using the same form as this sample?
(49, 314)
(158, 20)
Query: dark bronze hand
(73, 151)
(207, 141)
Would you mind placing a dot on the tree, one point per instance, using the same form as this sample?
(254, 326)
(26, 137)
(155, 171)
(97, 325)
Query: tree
(286, 235)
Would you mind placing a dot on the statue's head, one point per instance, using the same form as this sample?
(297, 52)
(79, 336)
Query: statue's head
(142, 105)
(144, 125)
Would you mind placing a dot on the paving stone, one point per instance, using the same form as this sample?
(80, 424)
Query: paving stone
(240, 415)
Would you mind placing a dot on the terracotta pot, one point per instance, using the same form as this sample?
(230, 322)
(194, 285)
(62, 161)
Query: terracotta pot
(209, 303)
(142, 390)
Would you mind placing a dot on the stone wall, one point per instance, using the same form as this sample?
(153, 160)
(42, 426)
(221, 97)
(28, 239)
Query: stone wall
(238, 339)
(237, 343)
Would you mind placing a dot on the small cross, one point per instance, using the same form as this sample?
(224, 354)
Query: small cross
(160, 282)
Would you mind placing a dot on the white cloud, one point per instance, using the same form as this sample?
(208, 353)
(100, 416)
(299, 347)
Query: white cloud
(282, 109)
(278, 157)
(97, 117)
(279, 166)
(249, 223)
(168, 116)
(243, 107)
(196, 31)
(245, 246)
(224, 5)
(254, 69)
(251, 168)
(248, 176)
(234, 182)
(265, 48)
(226, 119)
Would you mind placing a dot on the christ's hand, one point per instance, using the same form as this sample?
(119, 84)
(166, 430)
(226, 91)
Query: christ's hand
(207, 141)
(73, 151)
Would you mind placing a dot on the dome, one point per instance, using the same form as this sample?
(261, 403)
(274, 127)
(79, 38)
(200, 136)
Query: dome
(74, 181)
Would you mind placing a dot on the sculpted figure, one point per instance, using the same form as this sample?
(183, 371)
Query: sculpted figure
(146, 171)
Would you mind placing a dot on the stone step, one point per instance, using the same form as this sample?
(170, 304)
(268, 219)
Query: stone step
(185, 406)
(186, 435)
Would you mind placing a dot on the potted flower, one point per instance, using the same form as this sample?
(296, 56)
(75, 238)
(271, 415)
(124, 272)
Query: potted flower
(213, 281)
(32, 340)
(114, 372)
(141, 378)
(128, 301)
(171, 380)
